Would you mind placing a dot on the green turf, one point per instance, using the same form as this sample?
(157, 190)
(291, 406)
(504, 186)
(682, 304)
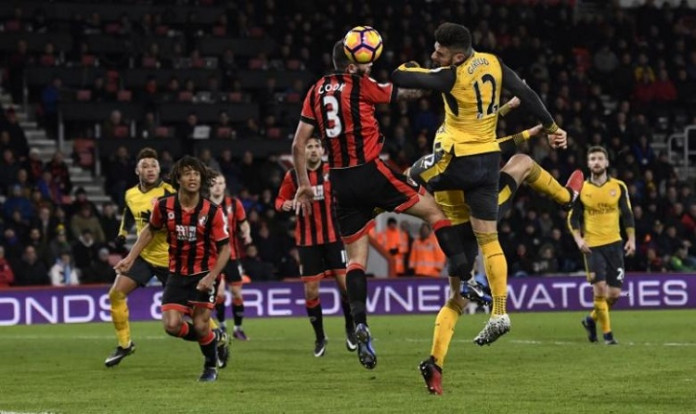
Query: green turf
(545, 365)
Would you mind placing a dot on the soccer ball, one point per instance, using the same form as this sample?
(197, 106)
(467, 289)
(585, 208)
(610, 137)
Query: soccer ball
(362, 44)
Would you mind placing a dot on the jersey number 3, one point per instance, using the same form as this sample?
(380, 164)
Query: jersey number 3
(492, 107)
(331, 107)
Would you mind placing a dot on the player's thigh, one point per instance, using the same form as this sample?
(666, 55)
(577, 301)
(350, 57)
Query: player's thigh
(202, 299)
(334, 257)
(141, 272)
(175, 296)
(614, 257)
(596, 266)
(233, 272)
(312, 266)
(478, 176)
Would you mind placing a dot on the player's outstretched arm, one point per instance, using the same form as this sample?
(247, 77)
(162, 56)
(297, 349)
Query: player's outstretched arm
(411, 76)
(304, 194)
(508, 144)
(144, 239)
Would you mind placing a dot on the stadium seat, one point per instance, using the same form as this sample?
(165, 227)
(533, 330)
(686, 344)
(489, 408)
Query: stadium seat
(124, 96)
(256, 63)
(112, 28)
(256, 32)
(13, 26)
(47, 60)
(148, 62)
(83, 95)
(293, 64)
(88, 60)
(274, 133)
(185, 96)
(235, 97)
(163, 132)
(161, 30)
(121, 131)
(293, 97)
(220, 31)
(84, 148)
(223, 132)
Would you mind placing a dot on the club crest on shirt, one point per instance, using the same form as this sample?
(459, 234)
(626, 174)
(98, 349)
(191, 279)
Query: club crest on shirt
(202, 220)
(170, 215)
(612, 193)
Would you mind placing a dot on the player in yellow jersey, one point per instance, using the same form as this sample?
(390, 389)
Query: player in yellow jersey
(603, 201)
(471, 83)
(520, 169)
(154, 259)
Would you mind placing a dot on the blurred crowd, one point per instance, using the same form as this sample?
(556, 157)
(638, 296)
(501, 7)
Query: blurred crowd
(621, 78)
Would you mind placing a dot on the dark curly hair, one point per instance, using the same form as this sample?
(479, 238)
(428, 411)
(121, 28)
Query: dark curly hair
(454, 36)
(195, 164)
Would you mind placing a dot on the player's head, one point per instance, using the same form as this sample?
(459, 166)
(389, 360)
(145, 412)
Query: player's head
(343, 64)
(217, 189)
(314, 150)
(189, 174)
(597, 160)
(147, 169)
(452, 44)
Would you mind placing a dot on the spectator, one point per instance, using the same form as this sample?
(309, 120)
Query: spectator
(80, 201)
(59, 243)
(30, 270)
(395, 242)
(34, 165)
(6, 274)
(43, 252)
(63, 273)
(49, 103)
(426, 257)
(8, 170)
(257, 270)
(85, 220)
(85, 251)
(18, 140)
(681, 261)
(101, 270)
(108, 221)
(119, 175)
(112, 124)
(17, 201)
(665, 91)
(60, 173)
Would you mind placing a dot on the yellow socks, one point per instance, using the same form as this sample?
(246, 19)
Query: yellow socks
(496, 269)
(601, 310)
(119, 316)
(444, 329)
(540, 180)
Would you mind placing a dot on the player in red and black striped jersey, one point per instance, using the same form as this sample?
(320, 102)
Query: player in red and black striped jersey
(239, 229)
(316, 235)
(340, 107)
(198, 251)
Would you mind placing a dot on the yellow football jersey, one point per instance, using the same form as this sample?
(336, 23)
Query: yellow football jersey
(471, 107)
(139, 206)
(600, 208)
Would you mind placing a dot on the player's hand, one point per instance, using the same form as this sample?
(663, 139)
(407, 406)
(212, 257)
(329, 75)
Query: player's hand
(124, 265)
(303, 201)
(630, 247)
(206, 283)
(514, 103)
(582, 245)
(246, 238)
(558, 139)
(287, 205)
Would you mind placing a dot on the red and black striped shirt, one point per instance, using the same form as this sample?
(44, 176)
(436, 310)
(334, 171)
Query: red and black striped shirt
(342, 107)
(321, 226)
(236, 215)
(194, 235)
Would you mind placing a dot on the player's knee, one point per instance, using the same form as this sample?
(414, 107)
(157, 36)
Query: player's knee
(201, 326)
(172, 326)
(311, 290)
(116, 295)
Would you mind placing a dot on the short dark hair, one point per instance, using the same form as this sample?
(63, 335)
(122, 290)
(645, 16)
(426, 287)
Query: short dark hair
(193, 163)
(147, 152)
(340, 60)
(597, 148)
(454, 36)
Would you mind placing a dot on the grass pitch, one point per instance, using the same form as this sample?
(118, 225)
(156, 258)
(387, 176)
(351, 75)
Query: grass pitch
(544, 365)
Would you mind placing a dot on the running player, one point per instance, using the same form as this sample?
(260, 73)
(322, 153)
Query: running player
(238, 227)
(341, 106)
(198, 252)
(316, 235)
(152, 261)
(603, 200)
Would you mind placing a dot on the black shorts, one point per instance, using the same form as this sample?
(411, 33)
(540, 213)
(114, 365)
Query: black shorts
(233, 272)
(477, 175)
(142, 271)
(317, 260)
(607, 264)
(358, 190)
(181, 294)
